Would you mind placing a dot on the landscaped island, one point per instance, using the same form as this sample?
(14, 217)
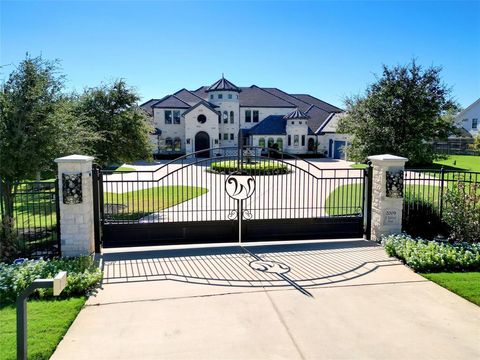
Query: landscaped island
(262, 167)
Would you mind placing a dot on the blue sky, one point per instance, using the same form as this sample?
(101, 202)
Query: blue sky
(328, 49)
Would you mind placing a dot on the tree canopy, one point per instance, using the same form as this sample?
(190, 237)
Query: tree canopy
(36, 121)
(401, 113)
(111, 111)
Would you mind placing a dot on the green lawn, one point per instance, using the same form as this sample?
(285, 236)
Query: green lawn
(125, 168)
(466, 285)
(460, 162)
(139, 203)
(48, 321)
(347, 199)
(359, 166)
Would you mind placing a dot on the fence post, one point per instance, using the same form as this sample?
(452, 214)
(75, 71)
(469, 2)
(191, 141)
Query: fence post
(442, 174)
(387, 195)
(367, 201)
(76, 205)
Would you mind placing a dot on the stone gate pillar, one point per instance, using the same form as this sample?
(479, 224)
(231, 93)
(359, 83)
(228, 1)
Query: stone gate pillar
(76, 205)
(387, 195)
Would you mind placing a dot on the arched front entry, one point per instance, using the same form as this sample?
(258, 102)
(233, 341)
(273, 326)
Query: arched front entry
(202, 141)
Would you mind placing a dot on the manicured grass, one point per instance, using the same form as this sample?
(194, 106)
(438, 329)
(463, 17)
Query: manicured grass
(125, 168)
(460, 162)
(48, 321)
(359, 166)
(139, 203)
(347, 199)
(466, 285)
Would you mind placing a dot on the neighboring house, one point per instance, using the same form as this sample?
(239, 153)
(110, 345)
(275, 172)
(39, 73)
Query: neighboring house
(467, 128)
(468, 118)
(213, 116)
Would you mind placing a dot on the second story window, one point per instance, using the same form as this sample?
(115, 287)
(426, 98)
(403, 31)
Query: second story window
(225, 136)
(176, 116)
(230, 96)
(225, 117)
(168, 116)
(232, 137)
(232, 117)
(255, 116)
(248, 115)
(474, 123)
(289, 142)
(303, 140)
(211, 96)
(220, 96)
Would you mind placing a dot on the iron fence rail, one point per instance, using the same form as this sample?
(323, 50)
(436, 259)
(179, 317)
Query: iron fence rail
(424, 197)
(36, 223)
(193, 189)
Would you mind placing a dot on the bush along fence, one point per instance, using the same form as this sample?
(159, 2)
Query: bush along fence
(29, 218)
(442, 202)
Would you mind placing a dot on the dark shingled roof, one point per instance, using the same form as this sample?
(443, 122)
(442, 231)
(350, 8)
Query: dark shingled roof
(147, 106)
(188, 97)
(317, 117)
(272, 125)
(300, 104)
(296, 114)
(223, 85)
(202, 102)
(252, 96)
(172, 102)
(317, 102)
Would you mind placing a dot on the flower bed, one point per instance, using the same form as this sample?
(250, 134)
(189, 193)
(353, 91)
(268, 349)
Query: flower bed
(83, 274)
(431, 256)
(264, 167)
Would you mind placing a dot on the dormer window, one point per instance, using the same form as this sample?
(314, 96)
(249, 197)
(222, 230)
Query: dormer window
(293, 122)
(300, 123)
(220, 96)
(211, 96)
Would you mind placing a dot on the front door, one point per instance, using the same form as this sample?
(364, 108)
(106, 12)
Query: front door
(202, 142)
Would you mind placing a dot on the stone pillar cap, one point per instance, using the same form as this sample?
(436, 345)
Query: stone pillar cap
(387, 157)
(74, 159)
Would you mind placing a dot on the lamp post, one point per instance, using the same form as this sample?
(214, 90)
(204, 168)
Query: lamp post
(58, 283)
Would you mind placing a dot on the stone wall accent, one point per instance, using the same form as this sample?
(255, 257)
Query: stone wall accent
(386, 210)
(76, 219)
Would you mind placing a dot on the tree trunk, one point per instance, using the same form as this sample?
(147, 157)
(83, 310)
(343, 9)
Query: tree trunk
(8, 240)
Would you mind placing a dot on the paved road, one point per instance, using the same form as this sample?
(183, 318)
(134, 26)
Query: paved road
(326, 300)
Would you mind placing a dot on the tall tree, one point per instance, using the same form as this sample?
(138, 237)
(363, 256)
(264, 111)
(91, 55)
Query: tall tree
(36, 126)
(401, 113)
(124, 128)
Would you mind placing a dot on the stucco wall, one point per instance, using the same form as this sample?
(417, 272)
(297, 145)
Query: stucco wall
(193, 126)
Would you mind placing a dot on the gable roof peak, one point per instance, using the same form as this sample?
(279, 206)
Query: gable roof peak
(223, 85)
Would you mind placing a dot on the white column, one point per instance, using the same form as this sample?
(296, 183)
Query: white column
(76, 219)
(387, 205)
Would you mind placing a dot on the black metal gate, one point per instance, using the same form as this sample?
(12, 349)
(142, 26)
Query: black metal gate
(256, 193)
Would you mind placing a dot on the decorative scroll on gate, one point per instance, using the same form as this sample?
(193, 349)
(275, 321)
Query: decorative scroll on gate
(240, 187)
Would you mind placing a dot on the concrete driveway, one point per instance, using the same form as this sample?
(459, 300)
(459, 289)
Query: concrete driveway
(317, 300)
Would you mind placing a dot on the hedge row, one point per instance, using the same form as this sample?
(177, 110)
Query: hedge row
(431, 256)
(83, 274)
(257, 168)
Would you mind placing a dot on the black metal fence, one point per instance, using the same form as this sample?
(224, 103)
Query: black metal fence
(36, 224)
(424, 198)
(191, 191)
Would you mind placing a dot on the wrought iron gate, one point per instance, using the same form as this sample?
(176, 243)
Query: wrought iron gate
(250, 193)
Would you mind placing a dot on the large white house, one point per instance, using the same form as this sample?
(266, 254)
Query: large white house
(215, 116)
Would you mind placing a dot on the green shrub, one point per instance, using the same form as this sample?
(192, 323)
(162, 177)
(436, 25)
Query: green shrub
(462, 212)
(430, 256)
(421, 219)
(264, 167)
(83, 274)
